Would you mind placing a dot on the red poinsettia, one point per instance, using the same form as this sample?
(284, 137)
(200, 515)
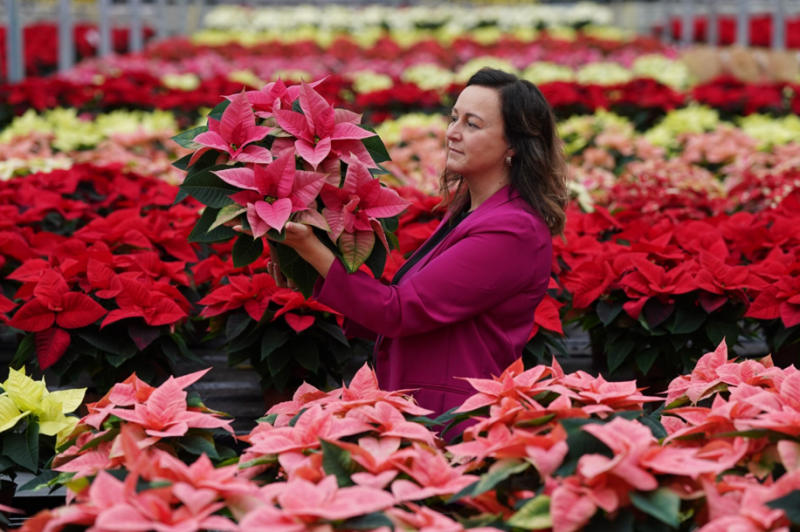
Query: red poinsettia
(779, 300)
(53, 302)
(650, 280)
(138, 300)
(251, 292)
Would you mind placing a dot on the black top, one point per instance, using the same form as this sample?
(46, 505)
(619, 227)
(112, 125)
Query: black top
(442, 231)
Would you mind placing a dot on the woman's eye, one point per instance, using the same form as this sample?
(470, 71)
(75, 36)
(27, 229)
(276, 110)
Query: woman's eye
(470, 124)
(453, 118)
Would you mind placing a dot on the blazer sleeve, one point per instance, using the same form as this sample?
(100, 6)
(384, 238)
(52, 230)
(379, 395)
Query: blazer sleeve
(350, 327)
(482, 269)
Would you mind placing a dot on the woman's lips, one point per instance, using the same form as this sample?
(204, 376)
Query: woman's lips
(456, 151)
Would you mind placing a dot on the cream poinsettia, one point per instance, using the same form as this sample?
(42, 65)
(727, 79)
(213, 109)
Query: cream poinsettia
(24, 396)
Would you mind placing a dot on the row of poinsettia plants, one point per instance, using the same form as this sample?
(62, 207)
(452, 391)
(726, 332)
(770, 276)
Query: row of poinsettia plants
(101, 269)
(643, 100)
(542, 450)
(40, 45)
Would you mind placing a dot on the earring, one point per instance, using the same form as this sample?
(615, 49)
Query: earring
(508, 160)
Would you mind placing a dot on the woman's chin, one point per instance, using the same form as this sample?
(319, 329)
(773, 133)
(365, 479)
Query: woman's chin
(451, 166)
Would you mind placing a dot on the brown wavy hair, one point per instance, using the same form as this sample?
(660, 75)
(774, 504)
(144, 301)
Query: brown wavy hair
(538, 169)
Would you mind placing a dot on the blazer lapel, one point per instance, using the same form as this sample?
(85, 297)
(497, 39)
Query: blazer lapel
(497, 199)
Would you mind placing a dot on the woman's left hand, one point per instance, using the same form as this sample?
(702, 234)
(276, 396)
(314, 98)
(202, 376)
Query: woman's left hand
(302, 239)
(297, 236)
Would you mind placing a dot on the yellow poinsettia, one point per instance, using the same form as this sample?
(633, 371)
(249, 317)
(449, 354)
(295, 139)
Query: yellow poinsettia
(9, 413)
(24, 396)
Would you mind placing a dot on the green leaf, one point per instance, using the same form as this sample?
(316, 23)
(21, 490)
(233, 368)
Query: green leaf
(246, 250)
(790, 504)
(95, 442)
(355, 248)
(209, 189)
(295, 268)
(118, 359)
(278, 359)
(618, 352)
(337, 461)
(663, 504)
(39, 482)
(217, 112)
(717, 330)
(297, 416)
(202, 231)
(183, 162)
(371, 521)
(498, 472)
(466, 491)
(23, 448)
(226, 214)
(688, 319)
(375, 146)
(580, 443)
(180, 196)
(607, 311)
(268, 419)
(186, 139)
(306, 353)
(236, 324)
(25, 350)
(645, 358)
(261, 460)
(655, 426)
(199, 445)
(332, 329)
(376, 262)
(535, 514)
(272, 340)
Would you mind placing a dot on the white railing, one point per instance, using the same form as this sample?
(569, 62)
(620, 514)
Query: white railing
(163, 15)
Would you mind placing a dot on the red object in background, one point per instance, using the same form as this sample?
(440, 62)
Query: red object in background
(760, 30)
(41, 45)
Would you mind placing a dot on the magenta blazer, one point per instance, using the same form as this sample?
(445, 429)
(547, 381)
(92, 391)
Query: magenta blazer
(464, 310)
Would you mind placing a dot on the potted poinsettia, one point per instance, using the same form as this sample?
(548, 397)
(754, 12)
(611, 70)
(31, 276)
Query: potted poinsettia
(34, 422)
(285, 154)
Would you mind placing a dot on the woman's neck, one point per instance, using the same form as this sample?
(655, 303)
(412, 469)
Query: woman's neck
(483, 190)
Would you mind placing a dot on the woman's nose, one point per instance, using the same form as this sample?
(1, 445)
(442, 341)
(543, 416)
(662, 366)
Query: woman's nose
(452, 132)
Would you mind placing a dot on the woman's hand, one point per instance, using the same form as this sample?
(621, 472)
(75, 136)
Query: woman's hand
(302, 239)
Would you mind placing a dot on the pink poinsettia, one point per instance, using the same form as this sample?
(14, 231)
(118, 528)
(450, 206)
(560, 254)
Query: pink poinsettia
(273, 192)
(628, 440)
(165, 413)
(312, 426)
(235, 134)
(601, 397)
(363, 391)
(389, 421)
(515, 382)
(308, 503)
(353, 210)
(433, 474)
(272, 96)
(320, 129)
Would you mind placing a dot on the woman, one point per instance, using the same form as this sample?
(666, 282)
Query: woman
(463, 304)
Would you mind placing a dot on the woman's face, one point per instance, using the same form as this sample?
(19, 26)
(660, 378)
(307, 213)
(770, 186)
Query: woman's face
(476, 140)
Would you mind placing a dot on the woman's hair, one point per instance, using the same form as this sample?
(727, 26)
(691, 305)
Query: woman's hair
(538, 170)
